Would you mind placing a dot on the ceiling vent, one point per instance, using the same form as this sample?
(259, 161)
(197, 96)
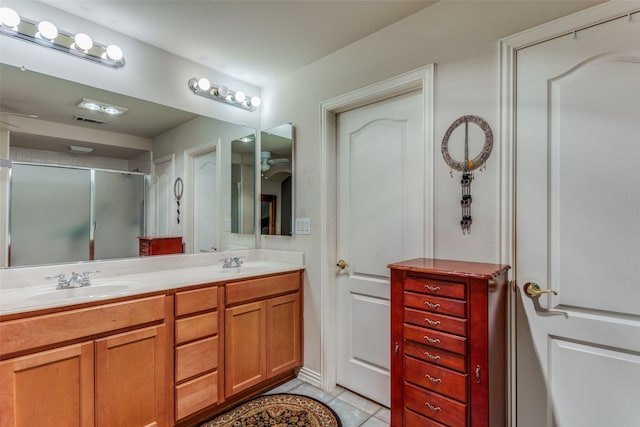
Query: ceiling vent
(88, 120)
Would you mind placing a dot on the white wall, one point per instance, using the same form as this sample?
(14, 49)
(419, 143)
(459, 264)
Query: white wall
(461, 38)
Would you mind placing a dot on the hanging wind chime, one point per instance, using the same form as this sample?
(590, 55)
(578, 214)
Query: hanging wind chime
(467, 166)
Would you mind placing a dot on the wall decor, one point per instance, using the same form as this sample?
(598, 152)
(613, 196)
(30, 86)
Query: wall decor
(178, 188)
(467, 165)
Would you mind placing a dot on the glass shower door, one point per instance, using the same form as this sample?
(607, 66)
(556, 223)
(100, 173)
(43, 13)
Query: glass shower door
(50, 215)
(119, 214)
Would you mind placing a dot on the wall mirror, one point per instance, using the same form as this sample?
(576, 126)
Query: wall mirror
(148, 140)
(276, 173)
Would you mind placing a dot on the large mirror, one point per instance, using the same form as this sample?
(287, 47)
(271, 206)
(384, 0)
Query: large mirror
(276, 170)
(42, 125)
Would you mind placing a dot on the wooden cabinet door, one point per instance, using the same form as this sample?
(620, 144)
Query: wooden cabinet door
(245, 346)
(131, 379)
(50, 388)
(283, 334)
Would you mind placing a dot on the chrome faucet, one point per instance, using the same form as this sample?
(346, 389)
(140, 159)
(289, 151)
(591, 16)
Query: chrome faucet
(232, 262)
(77, 280)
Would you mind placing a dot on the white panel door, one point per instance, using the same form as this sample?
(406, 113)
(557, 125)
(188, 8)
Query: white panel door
(164, 193)
(204, 235)
(381, 191)
(578, 225)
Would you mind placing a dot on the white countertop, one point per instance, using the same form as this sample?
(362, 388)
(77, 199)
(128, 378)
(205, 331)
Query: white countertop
(19, 294)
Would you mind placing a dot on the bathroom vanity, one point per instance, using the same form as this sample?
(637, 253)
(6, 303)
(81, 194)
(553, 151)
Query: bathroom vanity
(448, 341)
(171, 355)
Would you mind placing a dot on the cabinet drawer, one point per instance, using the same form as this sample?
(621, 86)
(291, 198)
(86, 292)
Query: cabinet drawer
(188, 302)
(196, 358)
(195, 327)
(454, 325)
(433, 377)
(196, 394)
(435, 287)
(435, 304)
(436, 355)
(249, 290)
(33, 332)
(436, 339)
(435, 406)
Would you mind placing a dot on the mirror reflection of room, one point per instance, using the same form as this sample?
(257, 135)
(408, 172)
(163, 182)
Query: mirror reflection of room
(133, 158)
(276, 169)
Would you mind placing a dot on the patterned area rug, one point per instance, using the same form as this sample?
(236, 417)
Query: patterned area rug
(278, 410)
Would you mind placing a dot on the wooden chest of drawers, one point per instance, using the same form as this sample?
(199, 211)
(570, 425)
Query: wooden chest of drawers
(448, 338)
(159, 245)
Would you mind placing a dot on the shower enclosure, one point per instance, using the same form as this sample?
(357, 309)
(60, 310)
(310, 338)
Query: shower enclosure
(65, 214)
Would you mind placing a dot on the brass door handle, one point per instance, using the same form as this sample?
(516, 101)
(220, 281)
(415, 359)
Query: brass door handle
(533, 290)
(342, 264)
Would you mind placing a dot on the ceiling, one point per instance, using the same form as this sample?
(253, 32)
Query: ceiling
(257, 41)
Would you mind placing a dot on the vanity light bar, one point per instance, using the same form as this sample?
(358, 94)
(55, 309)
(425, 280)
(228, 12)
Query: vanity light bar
(222, 93)
(45, 33)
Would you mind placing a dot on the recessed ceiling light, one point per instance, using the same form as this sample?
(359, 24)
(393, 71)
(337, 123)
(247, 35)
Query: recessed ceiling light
(80, 150)
(89, 104)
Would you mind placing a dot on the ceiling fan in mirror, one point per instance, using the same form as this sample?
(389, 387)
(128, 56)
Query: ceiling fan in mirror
(266, 161)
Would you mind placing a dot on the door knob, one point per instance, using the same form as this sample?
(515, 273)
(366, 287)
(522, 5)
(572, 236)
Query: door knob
(533, 290)
(342, 264)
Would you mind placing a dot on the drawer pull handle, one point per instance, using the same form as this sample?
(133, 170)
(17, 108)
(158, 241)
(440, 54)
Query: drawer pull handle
(433, 379)
(431, 356)
(432, 288)
(431, 305)
(433, 408)
(432, 322)
(432, 340)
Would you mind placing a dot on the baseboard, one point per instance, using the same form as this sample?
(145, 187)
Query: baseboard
(312, 377)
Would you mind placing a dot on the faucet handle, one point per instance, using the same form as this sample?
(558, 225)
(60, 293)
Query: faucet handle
(60, 276)
(85, 279)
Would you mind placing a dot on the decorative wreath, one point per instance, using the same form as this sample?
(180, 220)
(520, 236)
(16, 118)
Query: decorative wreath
(476, 162)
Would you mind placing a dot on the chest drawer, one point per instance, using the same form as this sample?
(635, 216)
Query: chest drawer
(435, 406)
(436, 378)
(436, 339)
(436, 355)
(454, 325)
(435, 287)
(435, 304)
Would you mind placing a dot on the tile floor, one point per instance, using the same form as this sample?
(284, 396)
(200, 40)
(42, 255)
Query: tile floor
(353, 410)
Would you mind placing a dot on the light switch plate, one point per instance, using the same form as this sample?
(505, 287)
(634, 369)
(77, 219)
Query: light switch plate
(303, 225)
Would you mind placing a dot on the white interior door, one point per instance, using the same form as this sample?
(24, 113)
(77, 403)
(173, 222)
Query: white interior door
(163, 194)
(204, 189)
(381, 191)
(578, 225)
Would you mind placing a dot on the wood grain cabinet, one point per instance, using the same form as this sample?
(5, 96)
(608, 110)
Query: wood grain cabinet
(448, 343)
(263, 335)
(197, 349)
(117, 379)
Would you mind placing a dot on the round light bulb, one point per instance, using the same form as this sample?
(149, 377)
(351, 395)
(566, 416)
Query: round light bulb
(114, 52)
(83, 41)
(9, 17)
(240, 96)
(223, 91)
(204, 84)
(255, 101)
(47, 30)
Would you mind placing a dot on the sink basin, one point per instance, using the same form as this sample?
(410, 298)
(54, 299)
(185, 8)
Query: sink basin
(112, 289)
